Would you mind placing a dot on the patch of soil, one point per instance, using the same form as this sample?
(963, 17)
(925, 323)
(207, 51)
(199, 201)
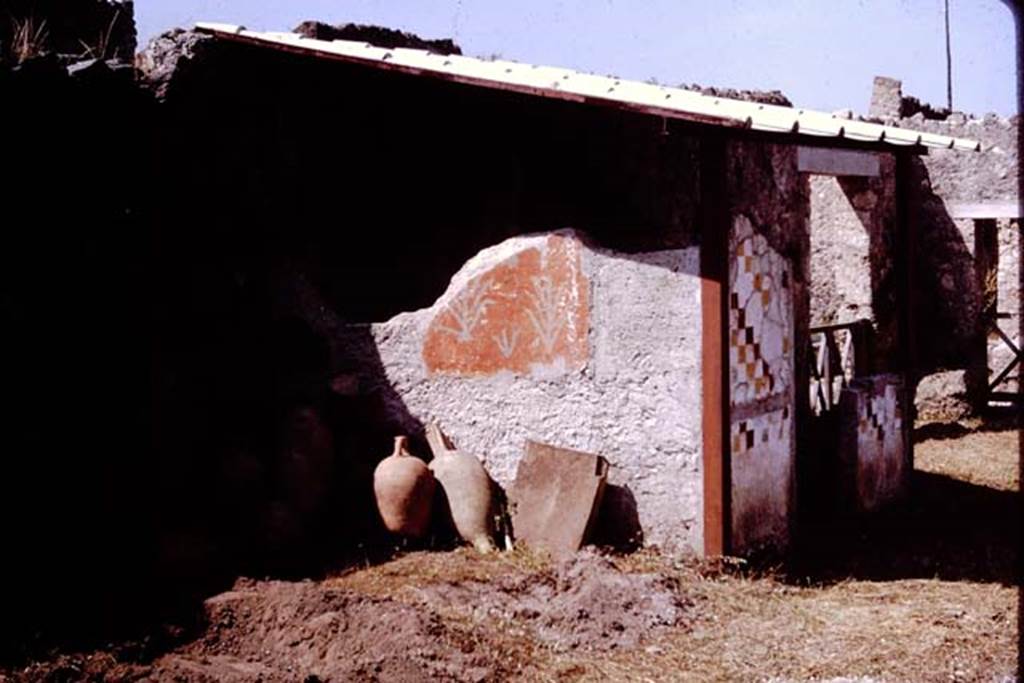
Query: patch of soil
(285, 631)
(586, 603)
(323, 630)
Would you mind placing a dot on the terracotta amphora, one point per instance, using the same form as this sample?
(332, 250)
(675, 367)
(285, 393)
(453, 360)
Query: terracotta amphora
(404, 488)
(467, 486)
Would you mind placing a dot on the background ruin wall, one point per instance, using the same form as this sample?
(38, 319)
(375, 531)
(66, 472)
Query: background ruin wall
(852, 224)
(949, 320)
(948, 327)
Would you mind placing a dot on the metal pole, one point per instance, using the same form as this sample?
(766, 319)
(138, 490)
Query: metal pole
(949, 65)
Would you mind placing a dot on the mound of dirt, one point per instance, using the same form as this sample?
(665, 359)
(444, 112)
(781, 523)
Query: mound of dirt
(586, 603)
(285, 631)
(420, 628)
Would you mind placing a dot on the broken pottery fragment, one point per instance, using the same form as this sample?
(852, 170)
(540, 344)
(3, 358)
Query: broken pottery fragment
(404, 488)
(555, 498)
(467, 486)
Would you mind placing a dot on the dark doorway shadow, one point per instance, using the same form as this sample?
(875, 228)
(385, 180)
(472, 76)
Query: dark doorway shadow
(618, 523)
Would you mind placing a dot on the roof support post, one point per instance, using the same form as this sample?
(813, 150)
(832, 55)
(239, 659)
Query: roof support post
(714, 271)
(906, 291)
(986, 268)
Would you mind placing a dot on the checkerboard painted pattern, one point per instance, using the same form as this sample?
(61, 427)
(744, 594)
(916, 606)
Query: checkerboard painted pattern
(769, 428)
(880, 415)
(760, 342)
(760, 318)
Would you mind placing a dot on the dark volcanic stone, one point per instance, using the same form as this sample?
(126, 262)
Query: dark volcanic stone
(168, 55)
(375, 35)
(761, 96)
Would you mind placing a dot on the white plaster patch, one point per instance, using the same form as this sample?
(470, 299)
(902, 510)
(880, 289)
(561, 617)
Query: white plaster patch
(761, 478)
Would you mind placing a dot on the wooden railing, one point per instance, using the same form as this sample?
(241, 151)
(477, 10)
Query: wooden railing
(1004, 374)
(839, 354)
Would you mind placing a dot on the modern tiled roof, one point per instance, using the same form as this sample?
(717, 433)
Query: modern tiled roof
(566, 84)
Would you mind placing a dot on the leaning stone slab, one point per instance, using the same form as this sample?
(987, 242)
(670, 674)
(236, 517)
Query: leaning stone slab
(943, 397)
(555, 497)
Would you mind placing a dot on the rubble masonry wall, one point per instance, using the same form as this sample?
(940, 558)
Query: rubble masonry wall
(852, 225)
(947, 290)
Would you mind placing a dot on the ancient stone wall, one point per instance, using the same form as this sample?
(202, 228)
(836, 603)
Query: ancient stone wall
(74, 277)
(74, 29)
(370, 225)
(768, 307)
(546, 338)
(946, 282)
(947, 290)
(852, 226)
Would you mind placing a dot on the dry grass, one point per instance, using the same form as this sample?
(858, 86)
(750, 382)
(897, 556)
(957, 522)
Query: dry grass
(900, 630)
(28, 38)
(425, 568)
(751, 625)
(745, 628)
(985, 458)
(100, 49)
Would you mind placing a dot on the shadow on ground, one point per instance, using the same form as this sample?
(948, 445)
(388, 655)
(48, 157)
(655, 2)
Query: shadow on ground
(945, 529)
(997, 420)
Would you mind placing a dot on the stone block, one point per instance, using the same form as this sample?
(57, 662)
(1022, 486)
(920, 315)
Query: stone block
(886, 98)
(943, 397)
(556, 496)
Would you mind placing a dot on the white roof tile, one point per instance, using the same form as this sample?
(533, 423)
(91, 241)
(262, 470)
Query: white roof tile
(569, 84)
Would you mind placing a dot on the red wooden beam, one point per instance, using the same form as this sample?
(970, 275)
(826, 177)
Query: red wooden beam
(714, 294)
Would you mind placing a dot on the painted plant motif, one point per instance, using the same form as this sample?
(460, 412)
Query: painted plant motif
(468, 309)
(544, 312)
(527, 311)
(506, 341)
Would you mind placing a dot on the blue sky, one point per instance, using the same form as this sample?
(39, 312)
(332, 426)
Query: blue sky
(821, 53)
